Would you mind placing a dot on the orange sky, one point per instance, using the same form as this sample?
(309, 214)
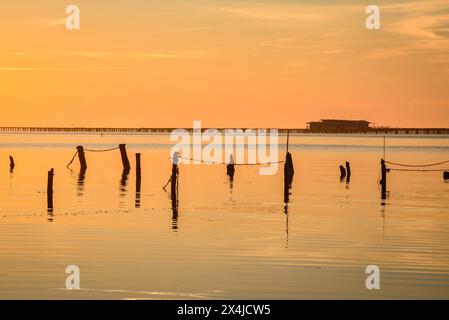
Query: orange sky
(226, 63)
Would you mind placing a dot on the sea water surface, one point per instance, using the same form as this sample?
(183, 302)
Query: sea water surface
(227, 240)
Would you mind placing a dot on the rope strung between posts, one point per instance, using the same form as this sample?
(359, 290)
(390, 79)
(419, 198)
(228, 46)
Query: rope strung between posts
(235, 164)
(420, 170)
(101, 150)
(417, 165)
(91, 150)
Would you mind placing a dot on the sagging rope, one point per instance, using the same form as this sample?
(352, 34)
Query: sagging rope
(91, 150)
(420, 170)
(417, 165)
(101, 150)
(235, 164)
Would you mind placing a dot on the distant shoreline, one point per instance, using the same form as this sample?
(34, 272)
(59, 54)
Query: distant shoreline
(411, 131)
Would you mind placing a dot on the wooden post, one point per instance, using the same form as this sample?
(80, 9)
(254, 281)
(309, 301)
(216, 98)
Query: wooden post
(288, 176)
(342, 172)
(125, 161)
(174, 175)
(230, 170)
(50, 189)
(383, 181)
(82, 158)
(288, 167)
(11, 163)
(230, 167)
(138, 172)
(138, 180)
(348, 172)
(348, 169)
(174, 178)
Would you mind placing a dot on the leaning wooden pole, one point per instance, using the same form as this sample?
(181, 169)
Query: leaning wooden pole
(125, 160)
(82, 158)
(383, 181)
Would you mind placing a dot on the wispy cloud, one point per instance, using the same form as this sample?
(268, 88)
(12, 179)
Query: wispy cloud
(280, 43)
(181, 54)
(19, 54)
(422, 27)
(423, 19)
(189, 29)
(48, 22)
(45, 68)
(273, 13)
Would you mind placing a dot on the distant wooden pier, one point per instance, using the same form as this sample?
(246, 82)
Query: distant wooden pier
(373, 131)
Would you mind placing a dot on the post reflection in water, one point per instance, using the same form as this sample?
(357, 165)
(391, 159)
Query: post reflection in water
(231, 184)
(174, 207)
(174, 196)
(50, 214)
(286, 201)
(80, 183)
(122, 188)
(137, 202)
(138, 180)
(382, 214)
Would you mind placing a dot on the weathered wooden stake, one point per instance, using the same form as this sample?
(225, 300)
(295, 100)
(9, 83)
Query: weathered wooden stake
(11, 163)
(288, 176)
(138, 172)
(174, 175)
(342, 172)
(348, 172)
(82, 158)
(174, 178)
(288, 168)
(383, 181)
(348, 169)
(138, 180)
(230, 168)
(50, 189)
(125, 161)
(174, 194)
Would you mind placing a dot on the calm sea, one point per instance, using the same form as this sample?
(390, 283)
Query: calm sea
(226, 241)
